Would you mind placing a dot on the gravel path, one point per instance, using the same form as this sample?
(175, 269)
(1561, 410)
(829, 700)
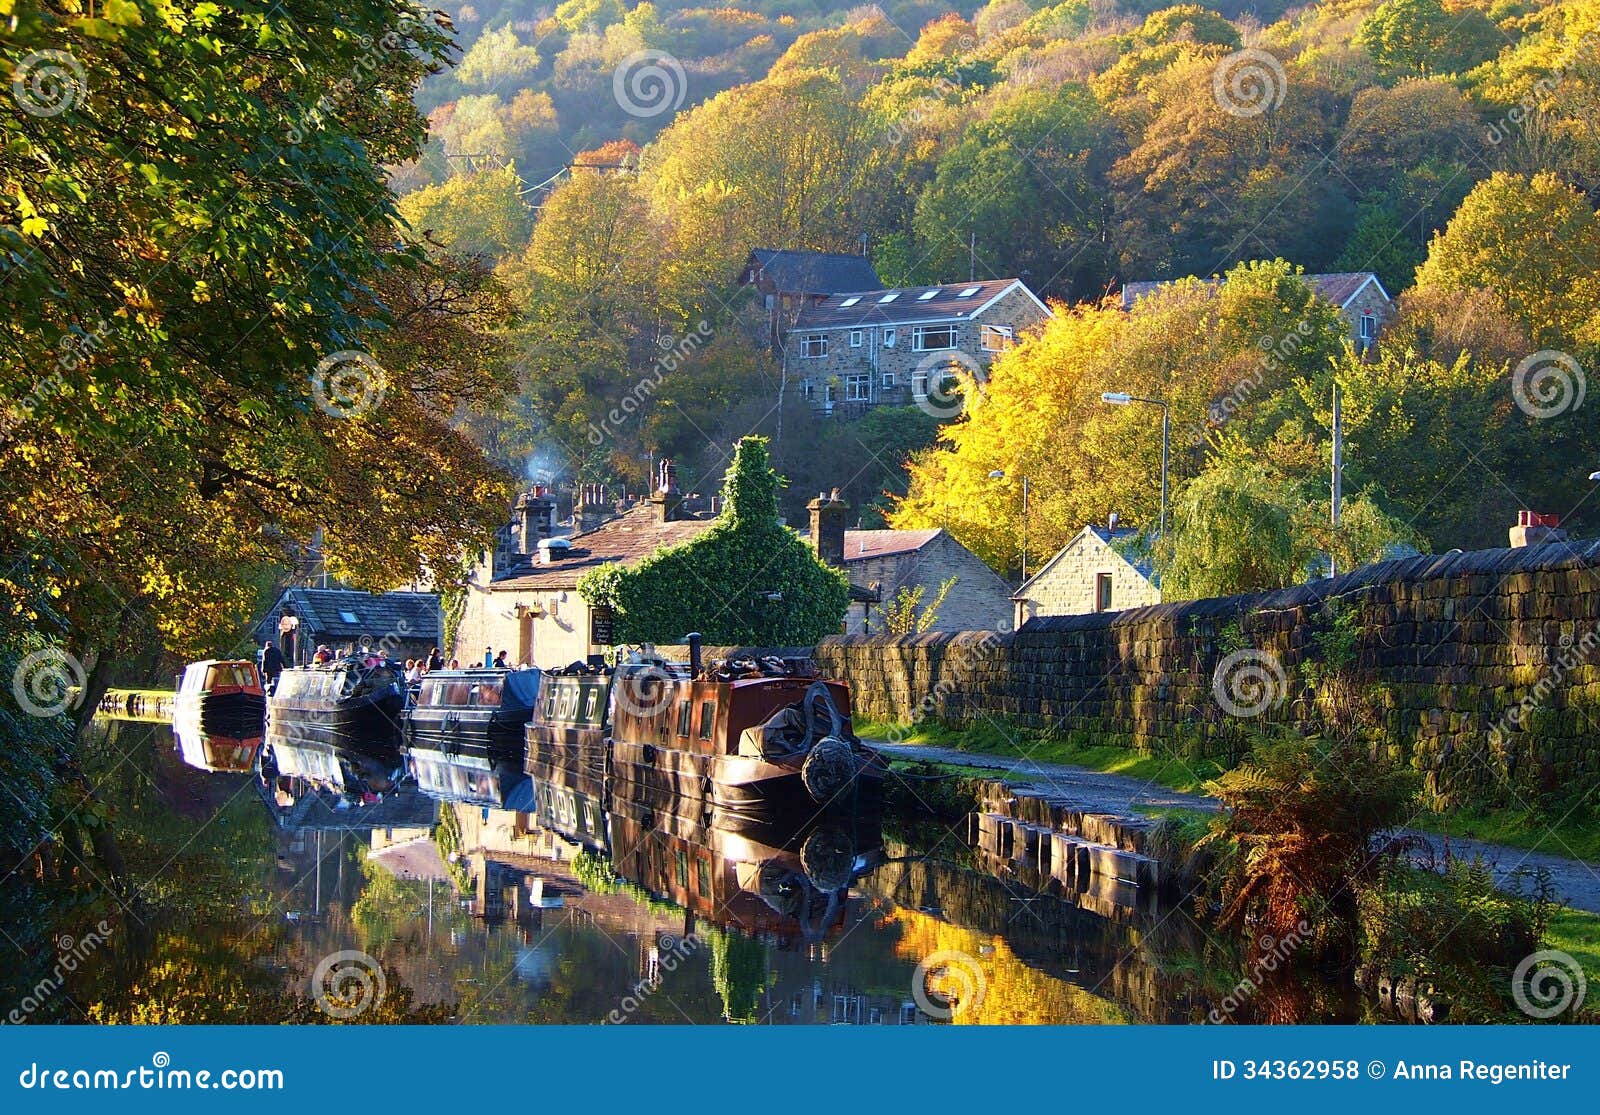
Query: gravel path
(1093, 791)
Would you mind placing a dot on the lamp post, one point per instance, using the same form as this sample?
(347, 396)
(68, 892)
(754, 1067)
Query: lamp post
(1000, 474)
(1122, 399)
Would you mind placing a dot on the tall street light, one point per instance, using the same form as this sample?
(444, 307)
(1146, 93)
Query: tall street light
(1122, 399)
(1000, 474)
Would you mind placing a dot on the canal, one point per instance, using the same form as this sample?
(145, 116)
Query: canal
(239, 908)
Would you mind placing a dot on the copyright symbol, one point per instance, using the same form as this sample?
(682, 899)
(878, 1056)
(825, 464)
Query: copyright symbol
(1376, 1069)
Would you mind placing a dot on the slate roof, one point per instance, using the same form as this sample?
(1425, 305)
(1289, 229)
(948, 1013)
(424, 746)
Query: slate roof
(1113, 539)
(862, 545)
(323, 611)
(1338, 287)
(633, 535)
(814, 272)
(950, 302)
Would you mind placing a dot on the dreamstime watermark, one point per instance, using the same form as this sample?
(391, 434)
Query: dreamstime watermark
(950, 683)
(950, 383)
(947, 983)
(1548, 383)
(1274, 352)
(1270, 956)
(649, 83)
(669, 955)
(73, 349)
(1248, 682)
(70, 954)
(347, 984)
(366, 66)
(1574, 653)
(158, 1075)
(1548, 983)
(48, 682)
(49, 82)
(675, 350)
(348, 384)
(1517, 115)
(1249, 82)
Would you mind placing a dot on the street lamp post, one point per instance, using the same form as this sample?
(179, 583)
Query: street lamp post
(1000, 474)
(1122, 399)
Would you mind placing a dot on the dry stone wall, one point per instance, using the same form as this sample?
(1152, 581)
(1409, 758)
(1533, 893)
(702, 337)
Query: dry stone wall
(1482, 668)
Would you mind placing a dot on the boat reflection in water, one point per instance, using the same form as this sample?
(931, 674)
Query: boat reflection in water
(465, 736)
(338, 726)
(218, 754)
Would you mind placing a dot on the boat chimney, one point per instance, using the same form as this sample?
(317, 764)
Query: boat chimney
(693, 639)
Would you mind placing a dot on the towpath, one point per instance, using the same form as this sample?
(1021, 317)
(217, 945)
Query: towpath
(1094, 791)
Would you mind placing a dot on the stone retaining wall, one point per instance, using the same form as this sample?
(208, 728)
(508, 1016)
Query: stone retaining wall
(1483, 667)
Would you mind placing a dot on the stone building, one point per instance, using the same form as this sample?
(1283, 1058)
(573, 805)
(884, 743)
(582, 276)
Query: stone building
(399, 624)
(1088, 574)
(848, 352)
(524, 598)
(788, 280)
(1359, 296)
(884, 561)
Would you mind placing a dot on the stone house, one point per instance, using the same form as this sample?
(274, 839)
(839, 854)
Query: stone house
(789, 280)
(848, 352)
(1088, 574)
(523, 598)
(401, 624)
(1359, 296)
(884, 561)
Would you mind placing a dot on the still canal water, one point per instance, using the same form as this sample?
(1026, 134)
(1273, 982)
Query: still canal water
(234, 911)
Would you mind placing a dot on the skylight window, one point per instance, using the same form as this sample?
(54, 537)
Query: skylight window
(969, 292)
(851, 301)
(927, 294)
(349, 617)
(890, 297)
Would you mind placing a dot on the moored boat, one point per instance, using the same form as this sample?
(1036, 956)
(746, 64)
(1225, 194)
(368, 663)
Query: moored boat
(465, 736)
(222, 697)
(353, 703)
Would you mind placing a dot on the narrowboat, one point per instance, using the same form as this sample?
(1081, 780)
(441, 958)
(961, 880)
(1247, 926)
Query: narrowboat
(352, 703)
(215, 753)
(222, 697)
(465, 736)
(743, 738)
(567, 754)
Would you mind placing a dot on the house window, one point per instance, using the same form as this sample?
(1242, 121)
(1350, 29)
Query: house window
(919, 385)
(888, 338)
(805, 389)
(814, 346)
(927, 338)
(1102, 592)
(855, 338)
(890, 297)
(888, 379)
(349, 617)
(969, 292)
(997, 338)
(928, 295)
(851, 301)
(1369, 327)
(857, 387)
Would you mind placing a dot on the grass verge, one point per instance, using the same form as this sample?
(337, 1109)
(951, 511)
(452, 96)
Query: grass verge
(1576, 836)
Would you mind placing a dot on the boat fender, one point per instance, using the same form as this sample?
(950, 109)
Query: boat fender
(650, 754)
(828, 769)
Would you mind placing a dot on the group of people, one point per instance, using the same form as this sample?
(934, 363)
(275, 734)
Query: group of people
(272, 662)
(418, 668)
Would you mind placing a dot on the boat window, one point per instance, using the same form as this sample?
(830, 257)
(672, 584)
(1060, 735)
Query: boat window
(588, 703)
(708, 717)
(685, 714)
(702, 871)
(683, 869)
(489, 693)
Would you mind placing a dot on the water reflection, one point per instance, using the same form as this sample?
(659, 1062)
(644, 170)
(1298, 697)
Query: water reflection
(585, 908)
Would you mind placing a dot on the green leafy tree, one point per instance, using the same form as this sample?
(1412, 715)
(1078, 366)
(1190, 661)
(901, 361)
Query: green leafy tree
(1422, 37)
(906, 614)
(748, 580)
(473, 214)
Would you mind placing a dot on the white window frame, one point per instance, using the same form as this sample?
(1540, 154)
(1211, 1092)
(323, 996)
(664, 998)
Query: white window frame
(889, 337)
(814, 346)
(919, 385)
(1006, 338)
(855, 338)
(1368, 327)
(888, 380)
(858, 387)
(919, 338)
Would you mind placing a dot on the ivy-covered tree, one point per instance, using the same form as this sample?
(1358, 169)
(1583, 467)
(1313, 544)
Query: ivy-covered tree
(748, 580)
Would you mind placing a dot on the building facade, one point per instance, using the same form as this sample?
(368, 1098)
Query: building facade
(788, 281)
(1088, 574)
(845, 353)
(399, 624)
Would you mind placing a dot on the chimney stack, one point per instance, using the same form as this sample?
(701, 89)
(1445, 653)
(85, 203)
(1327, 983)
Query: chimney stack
(829, 513)
(667, 498)
(1534, 529)
(591, 510)
(535, 518)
